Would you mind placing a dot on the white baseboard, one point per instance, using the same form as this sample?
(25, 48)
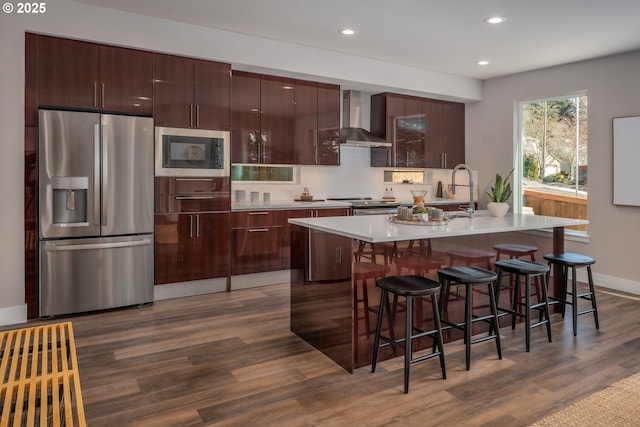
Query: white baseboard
(13, 315)
(255, 280)
(187, 289)
(609, 282)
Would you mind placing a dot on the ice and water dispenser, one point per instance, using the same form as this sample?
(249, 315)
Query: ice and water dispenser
(70, 200)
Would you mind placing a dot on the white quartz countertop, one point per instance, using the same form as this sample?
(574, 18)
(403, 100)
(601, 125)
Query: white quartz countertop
(288, 204)
(379, 228)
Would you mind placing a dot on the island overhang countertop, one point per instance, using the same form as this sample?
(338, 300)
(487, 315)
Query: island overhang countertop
(380, 228)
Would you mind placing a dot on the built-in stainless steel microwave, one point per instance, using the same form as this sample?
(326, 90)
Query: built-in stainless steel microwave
(192, 152)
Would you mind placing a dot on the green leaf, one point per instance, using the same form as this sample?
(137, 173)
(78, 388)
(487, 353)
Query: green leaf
(501, 189)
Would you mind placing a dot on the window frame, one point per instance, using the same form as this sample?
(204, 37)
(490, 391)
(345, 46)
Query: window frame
(518, 160)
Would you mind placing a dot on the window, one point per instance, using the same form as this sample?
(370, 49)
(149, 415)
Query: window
(551, 156)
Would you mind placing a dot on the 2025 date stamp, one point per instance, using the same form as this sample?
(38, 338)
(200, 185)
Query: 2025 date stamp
(25, 8)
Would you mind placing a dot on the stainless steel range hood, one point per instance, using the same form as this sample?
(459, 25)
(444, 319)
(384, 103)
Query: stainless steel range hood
(352, 132)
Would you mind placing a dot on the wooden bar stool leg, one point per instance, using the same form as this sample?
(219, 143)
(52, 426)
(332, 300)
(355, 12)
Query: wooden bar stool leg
(545, 295)
(574, 300)
(408, 342)
(468, 325)
(374, 358)
(594, 306)
(438, 340)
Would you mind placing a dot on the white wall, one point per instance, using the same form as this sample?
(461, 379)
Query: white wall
(75, 20)
(613, 88)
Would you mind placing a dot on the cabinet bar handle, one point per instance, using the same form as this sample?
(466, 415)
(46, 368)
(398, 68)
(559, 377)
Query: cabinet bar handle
(258, 230)
(197, 225)
(258, 213)
(190, 226)
(95, 94)
(195, 179)
(191, 115)
(194, 197)
(198, 115)
(102, 94)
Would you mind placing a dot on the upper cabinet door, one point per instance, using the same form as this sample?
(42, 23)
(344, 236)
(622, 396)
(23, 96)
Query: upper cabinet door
(212, 95)
(173, 91)
(277, 120)
(245, 118)
(328, 144)
(306, 122)
(89, 76)
(68, 73)
(444, 139)
(409, 134)
(126, 80)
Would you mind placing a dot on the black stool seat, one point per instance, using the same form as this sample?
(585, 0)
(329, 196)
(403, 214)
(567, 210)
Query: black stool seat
(415, 286)
(471, 277)
(522, 266)
(514, 249)
(528, 269)
(572, 260)
(410, 287)
(468, 274)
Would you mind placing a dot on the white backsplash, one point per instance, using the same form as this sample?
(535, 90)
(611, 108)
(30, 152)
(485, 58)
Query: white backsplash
(353, 178)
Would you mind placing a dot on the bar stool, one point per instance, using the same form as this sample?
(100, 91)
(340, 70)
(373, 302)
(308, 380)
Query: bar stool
(573, 260)
(517, 251)
(470, 256)
(362, 273)
(410, 287)
(471, 277)
(528, 269)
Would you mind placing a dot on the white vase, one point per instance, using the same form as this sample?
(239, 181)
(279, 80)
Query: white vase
(498, 209)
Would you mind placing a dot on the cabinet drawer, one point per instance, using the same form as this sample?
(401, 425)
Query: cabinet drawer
(204, 202)
(257, 218)
(256, 249)
(173, 185)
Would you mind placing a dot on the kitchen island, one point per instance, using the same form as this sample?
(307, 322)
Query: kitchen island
(327, 254)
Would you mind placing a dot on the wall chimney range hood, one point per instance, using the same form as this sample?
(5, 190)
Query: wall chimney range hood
(352, 133)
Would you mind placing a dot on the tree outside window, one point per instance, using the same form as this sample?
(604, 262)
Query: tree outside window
(553, 156)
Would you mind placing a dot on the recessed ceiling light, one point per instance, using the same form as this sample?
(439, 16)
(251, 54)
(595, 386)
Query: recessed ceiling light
(347, 31)
(495, 20)
(483, 62)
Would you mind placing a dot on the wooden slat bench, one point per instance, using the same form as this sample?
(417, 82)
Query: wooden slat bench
(40, 384)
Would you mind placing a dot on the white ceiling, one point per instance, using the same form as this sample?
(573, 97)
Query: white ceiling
(447, 36)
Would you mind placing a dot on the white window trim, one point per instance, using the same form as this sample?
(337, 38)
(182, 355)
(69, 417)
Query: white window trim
(574, 235)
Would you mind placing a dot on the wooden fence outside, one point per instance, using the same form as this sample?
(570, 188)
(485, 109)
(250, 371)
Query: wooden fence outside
(560, 205)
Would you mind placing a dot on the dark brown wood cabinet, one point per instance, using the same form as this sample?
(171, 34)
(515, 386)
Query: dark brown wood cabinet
(191, 93)
(425, 133)
(89, 76)
(192, 224)
(191, 246)
(317, 123)
(245, 117)
(261, 241)
(262, 119)
(256, 238)
(304, 213)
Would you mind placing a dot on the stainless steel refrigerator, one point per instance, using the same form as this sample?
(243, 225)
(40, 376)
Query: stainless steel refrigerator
(95, 211)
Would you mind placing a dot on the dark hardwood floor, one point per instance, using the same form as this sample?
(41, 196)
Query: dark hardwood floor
(230, 359)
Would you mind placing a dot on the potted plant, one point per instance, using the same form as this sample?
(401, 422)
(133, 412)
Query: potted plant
(421, 214)
(499, 195)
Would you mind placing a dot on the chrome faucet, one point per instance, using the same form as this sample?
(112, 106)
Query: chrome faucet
(470, 210)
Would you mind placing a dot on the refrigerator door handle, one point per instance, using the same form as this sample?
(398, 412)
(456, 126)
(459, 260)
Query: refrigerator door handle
(96, 174)
(105, 177)
(49, 246)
